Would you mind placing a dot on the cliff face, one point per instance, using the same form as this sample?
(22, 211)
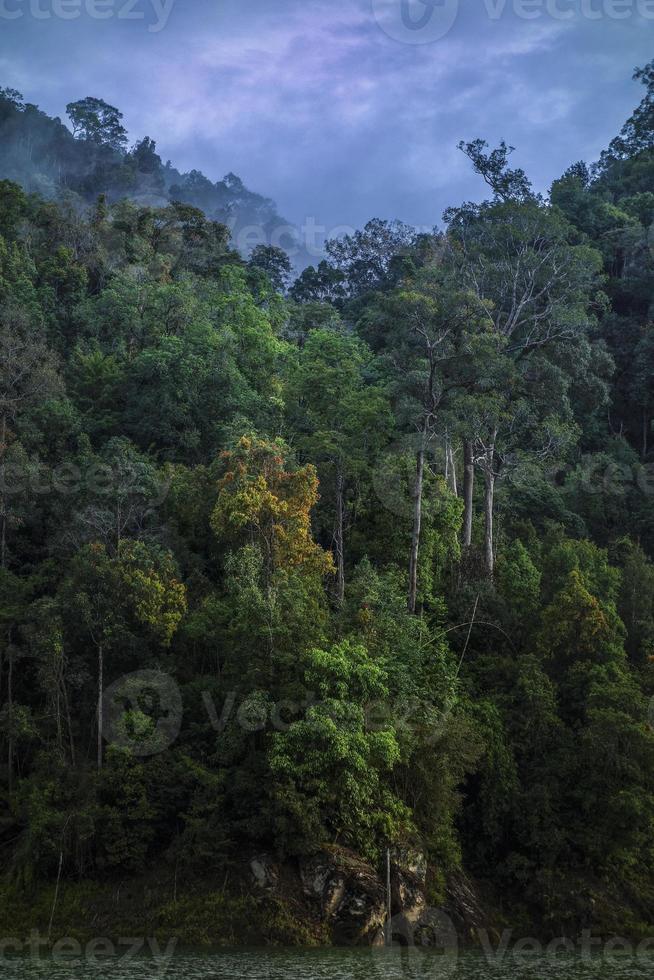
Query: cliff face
(342, 900)
(333, 897)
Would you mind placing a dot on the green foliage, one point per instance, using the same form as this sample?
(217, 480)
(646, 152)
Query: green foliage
(98, 122)
(328, 768)
(388, 531)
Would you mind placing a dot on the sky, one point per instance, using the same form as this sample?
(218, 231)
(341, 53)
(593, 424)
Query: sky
(342, 110)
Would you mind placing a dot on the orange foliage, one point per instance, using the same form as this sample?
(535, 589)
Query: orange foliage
(259, 497)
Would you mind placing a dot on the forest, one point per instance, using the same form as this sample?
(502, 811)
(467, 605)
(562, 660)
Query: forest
(360, 558)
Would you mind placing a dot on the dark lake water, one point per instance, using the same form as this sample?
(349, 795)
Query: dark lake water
(335, 964)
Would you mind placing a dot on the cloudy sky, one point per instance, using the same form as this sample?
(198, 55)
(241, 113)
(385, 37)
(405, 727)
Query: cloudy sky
(341, 109)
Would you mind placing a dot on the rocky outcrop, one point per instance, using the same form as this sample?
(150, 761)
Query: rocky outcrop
(265, 872)
(345, 896)
(349, 894)
(464, 907)
(408, 876)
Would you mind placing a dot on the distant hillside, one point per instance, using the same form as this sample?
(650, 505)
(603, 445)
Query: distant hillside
(45, 156)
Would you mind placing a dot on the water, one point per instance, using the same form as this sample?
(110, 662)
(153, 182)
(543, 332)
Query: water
(334, 964)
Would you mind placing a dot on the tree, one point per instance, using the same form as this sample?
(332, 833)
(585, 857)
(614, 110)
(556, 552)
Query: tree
(98, 122)
(636, 599)
(328, 769)
(146, 157)
(13, 208)
(423, 328)
(637, 134)
(13, 97)
(341, 420)
(366, 257)
(642, 384)
(534, 286)
(28, 375)
(505, 183)
(118, 494)
(136, 590)
(275, 263)
(321, 284)
(259, 498)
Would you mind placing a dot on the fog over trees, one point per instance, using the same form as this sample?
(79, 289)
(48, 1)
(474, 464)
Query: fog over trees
(385, 529)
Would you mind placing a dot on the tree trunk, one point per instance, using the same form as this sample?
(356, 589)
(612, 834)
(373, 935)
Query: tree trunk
(468, 487)
(100, 696)
(339, 547)
(645, 432)
(70, 727)
(10, 704)
(489, 495)
(417, 520)
(450, 468)
(3, 499)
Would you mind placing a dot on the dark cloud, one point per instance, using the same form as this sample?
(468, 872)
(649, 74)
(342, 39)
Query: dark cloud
(321, 106)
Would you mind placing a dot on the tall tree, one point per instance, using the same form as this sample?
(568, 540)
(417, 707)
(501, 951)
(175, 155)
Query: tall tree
(97, 121)
(341, 417)
(529, 277)
(422, 327)
(136, 590)
(28, 375)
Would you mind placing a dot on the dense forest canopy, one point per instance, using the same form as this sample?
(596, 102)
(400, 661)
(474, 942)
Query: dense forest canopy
(418, 478)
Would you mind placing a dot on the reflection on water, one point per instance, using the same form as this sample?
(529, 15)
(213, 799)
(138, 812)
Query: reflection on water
(335, 964)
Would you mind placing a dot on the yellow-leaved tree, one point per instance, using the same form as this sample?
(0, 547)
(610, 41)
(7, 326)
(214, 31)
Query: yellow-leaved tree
(262, 502)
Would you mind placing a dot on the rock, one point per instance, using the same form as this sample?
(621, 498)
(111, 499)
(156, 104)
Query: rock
(464, 906)
(264, 872)
(433, 929)
(323, 881)
(350, 893)
(411, 859)
(407, 895)
(408, 877)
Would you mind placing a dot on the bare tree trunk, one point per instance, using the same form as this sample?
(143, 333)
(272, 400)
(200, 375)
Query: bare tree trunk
(56, 892)
(10, 704)
(339, 547)
(488, 518)
(645, 432)
(453, 482)
(468, 487)
(489, 500)
(68, 721)
(450, 468)
(417, 521)
(3, 535)
(61, 863)
(3, 499)
(100, 696)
